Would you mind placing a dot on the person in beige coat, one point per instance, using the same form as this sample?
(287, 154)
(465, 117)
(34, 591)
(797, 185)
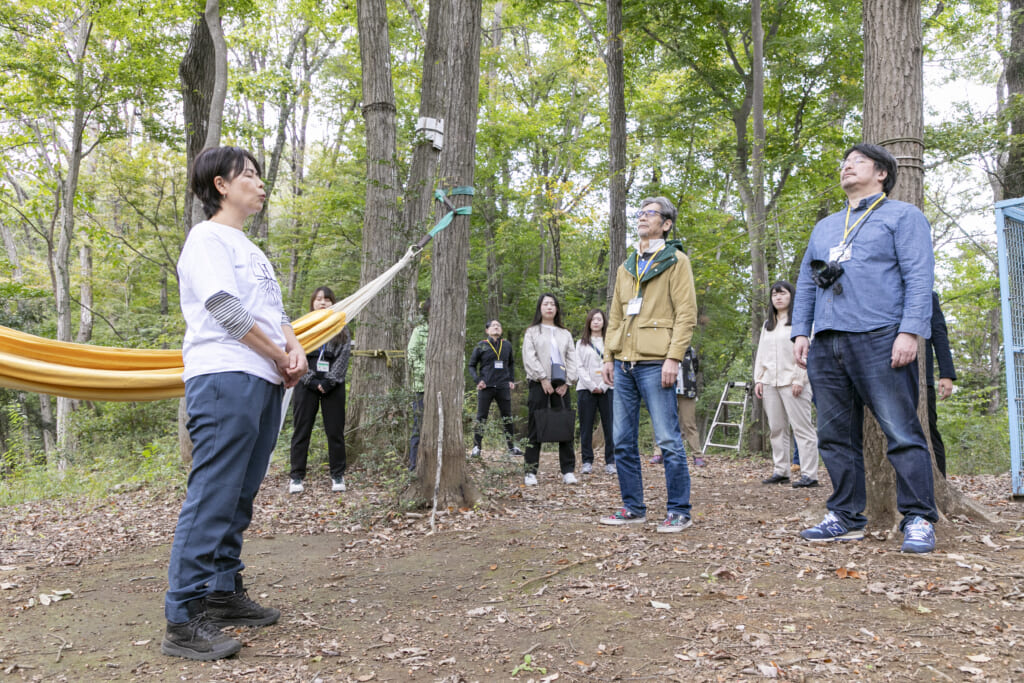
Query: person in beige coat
(786, 392)
(547, 343)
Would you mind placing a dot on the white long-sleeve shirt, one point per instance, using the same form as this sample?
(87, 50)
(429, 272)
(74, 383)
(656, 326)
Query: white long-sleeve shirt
(774, 364)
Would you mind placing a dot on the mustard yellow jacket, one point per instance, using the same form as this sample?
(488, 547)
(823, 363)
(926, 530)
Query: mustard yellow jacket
(664, 326)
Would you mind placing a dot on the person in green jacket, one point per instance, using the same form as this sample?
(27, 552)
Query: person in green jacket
(416, 360)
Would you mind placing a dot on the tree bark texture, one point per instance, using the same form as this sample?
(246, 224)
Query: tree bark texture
(1013, 171)
(616, 145)
(198, 77)
(894, 118)
(419, 186)
(374, 379)
(757, 216)
(449, 290)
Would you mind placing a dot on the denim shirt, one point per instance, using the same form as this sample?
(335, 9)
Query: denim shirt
(886, 281)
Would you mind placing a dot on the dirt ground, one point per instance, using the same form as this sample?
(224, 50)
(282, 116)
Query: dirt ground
(527, 586)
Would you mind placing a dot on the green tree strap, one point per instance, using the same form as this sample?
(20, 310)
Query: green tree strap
(440, 196)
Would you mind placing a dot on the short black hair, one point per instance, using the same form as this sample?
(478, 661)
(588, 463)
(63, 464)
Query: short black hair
(226, 162)
(884, 161)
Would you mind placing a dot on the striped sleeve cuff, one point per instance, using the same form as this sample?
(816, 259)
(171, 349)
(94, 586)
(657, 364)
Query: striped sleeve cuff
(227, 310)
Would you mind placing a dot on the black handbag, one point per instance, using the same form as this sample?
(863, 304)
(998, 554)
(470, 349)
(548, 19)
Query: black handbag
(555, 424)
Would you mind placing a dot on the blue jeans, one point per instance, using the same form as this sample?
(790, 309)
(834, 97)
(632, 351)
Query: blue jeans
(233, 419)
(634, 382)
(849, 371)
(589, 405)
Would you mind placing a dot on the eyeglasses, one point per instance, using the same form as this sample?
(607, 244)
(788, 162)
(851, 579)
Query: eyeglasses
(856, 161)
(650, 213)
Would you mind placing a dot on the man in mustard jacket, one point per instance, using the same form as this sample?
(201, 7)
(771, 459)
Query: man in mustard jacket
(650, 325)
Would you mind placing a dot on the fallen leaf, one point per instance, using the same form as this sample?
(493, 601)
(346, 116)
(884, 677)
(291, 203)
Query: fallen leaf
(768, 670)
(660, 605)
(979, 659)
(973, 670)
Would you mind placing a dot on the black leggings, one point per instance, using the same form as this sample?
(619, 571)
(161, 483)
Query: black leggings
(305, 403)
(536, 398)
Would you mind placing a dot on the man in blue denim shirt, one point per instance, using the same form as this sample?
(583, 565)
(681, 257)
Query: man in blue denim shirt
(865, 286)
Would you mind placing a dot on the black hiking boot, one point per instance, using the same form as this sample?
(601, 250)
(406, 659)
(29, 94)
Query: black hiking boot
(237, 609)
(198, 638)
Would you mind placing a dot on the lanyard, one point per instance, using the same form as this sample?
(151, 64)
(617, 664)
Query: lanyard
(497, 354)
(640, 273)
(849, 228)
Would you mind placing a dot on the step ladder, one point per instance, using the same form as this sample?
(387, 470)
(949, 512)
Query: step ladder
(730, 432)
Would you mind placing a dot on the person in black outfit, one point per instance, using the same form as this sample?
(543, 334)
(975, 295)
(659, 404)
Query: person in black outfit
(938, 348)
(323, 386)
(491, 366)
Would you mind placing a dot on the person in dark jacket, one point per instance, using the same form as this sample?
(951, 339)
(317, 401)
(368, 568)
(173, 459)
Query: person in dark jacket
(937, 348)
(491, 367)
(321, 388)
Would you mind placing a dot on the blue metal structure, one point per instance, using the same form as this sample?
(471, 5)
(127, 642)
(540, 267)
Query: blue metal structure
(1010, 229)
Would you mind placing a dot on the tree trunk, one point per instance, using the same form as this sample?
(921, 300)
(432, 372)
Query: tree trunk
(85, 316)
(198, 78)
(757, 217)
(61, 257)
(1013, 179)
(197, 101)
(447, 340)
(616, 145)
(894, 118)
(381, 326)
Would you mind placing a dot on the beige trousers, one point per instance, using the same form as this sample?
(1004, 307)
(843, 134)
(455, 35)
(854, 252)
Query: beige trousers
(785, 410)
(687, 408)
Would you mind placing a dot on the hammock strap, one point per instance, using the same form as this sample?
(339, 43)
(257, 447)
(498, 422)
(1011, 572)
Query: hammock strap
(440, 196)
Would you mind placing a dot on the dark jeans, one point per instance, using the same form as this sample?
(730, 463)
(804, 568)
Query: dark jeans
(233, 420)
(417, 422)
(933, 418)
(849, 371)
(484, 397)
(305, 404)
(536, 398)
(589, 404)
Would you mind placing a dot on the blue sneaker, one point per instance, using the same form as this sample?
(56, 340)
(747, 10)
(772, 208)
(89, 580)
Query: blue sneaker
(918, 536)
(831, 529)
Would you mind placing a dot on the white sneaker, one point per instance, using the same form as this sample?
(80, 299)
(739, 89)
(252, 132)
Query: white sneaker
(587, 468)
(610, 469)
(338, 484)
(295, 486)
(530, 480)
(569, 478)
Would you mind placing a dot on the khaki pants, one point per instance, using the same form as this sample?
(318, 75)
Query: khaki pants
(687, 409)
(785, 410)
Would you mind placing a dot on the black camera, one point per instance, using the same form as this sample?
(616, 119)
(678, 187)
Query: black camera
(825, 273)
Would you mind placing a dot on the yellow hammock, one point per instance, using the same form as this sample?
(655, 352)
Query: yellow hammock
(103, 373)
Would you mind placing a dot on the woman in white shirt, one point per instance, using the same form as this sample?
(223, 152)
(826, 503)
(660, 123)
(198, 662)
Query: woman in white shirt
(593, 396)
(786, 392)
(240, 355)
(547, 345)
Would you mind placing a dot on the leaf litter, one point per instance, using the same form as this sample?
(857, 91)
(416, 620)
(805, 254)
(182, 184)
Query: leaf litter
(367, 593)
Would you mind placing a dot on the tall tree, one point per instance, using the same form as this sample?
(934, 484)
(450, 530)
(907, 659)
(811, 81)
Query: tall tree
(894, 118)
(449, 285)
(614, 61)
(1013, 172)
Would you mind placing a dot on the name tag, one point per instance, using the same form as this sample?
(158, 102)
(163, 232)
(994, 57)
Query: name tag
(323, 366)
(840, 253)
(499, 365)
(633, 307)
